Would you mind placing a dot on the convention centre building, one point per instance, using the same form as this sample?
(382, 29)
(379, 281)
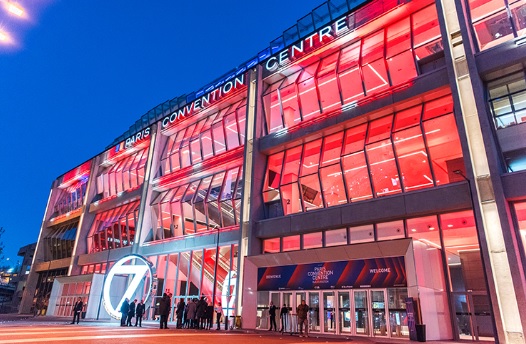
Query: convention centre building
(370, 161)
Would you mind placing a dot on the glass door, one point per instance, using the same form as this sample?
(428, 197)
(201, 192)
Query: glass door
(314, 311)
(344, 312)
(361, 315)
(285, 320)
(378, 312)
(329, 315)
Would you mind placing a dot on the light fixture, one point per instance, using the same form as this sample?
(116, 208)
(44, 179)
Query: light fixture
(14, 8)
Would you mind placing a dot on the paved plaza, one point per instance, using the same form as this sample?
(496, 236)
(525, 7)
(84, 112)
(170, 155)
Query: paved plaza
(24, 329)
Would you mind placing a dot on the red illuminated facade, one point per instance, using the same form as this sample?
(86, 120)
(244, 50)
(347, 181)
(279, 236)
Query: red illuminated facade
(371, 159)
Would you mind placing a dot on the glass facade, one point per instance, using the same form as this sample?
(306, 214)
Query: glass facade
(60, 241)
(212, 135)
(496, 21)
(210, 203)
(114, 228)
(123, 175)
(507, 100)
(389, 57)
(412, 149)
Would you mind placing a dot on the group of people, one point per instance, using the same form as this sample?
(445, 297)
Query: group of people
(302, 312)
(130, 310)
(198, 314)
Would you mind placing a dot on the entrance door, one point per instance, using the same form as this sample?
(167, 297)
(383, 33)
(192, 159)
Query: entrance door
(329, 315)
(314, 311)
(378, 311)
(472, 315)
(344, 312)
(361, 314)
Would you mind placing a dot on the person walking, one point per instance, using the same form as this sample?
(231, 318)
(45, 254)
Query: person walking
(139, 312)
(303, 311)
(131, 312)
(77, 309)
(164, 311)
(272, 313)
(219, 314)
(125, 308)
(283, 314)
(179, 312)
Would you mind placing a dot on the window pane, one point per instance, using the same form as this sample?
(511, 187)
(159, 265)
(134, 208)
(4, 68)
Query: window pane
(398, 38)
(291, 109)
(390, 230)
(350, 56)
(271, 245)
(354, 139)
(333, 188)
(273, 111)
(332, 146)
(275, 162)
(373, 47)
(493, 30)
(311, 192)
(291, 199)
(328, 85)
(312, 240)
(438, 107)
(362, 234)
(196, 151)
(357, 177)
(351, 84)
(291, 243)
(413, 159)
(402, 67)
(311, 157)
(520, 212)
(336, 237)
(219, 138)
(232, 133)
(425, 230)
(375, 76)
(383, 168)
(292, 165)
(310, 105)
(380, 129)
(426, 32)
(444, 148)
(206, 142)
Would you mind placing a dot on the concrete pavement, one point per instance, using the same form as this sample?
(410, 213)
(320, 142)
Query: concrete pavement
(104, 331)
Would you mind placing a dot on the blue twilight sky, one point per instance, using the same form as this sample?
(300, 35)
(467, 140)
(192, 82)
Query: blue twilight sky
(79, 72)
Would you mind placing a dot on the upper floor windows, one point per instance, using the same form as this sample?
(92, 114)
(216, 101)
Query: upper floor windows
(209, 203)
(125, 174)
(495, 22)
(368, 66)
(507, 100)
(413, 149)
(59, 241)
(70, 198)
(210, 136)
(114, 228)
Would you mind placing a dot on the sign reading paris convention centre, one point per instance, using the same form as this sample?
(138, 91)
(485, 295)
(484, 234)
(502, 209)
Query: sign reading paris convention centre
(139, 270)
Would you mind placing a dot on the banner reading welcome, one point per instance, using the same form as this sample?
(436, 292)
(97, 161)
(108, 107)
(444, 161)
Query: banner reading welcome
(364, 273)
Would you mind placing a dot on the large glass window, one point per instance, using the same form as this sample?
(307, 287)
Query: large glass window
(366, 67)
(217, 133)
(507, 100)
(125, 174)
(415, 148)
(71, 198)
(59, 241)
(205, 204)
(114, 228)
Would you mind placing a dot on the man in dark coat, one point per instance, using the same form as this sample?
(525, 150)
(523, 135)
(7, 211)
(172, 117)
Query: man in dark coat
(77, 309)
(179, 312)
(125, 308)
(164, 310)
(201, 310)
(139, 312)
(131, 312)
(272, 313)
